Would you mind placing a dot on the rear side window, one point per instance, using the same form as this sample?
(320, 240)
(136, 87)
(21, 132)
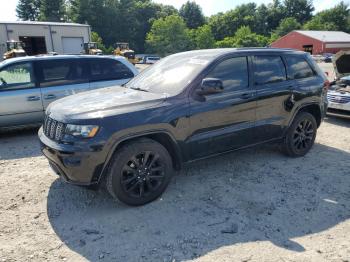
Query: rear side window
(232, 72)
(269, 69)
(109, 69)
(62, 72)
(298, 68)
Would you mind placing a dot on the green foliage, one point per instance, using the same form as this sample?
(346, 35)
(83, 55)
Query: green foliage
(28, 10)
(202, 38)
(244, 37)
(336, 18)
(168, 35)
(301, 10)
(223, 25)
(120, 20)
(317, 23)
(168, 30)
(192, 15)
(96, 38)
(286, 26)
(52, 10)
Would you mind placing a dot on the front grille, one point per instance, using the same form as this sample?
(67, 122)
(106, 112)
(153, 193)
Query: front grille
(339, 99)
(53, 129)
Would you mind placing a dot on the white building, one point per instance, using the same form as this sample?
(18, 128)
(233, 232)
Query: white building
(44, 37)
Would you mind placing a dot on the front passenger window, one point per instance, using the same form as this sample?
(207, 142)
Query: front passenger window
(17, 76)
(232, 72)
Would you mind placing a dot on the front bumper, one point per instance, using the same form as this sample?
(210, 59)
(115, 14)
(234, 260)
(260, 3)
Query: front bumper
(75, 164)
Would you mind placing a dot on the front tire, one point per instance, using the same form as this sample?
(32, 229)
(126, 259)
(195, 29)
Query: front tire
(140, 172)
(301, 135)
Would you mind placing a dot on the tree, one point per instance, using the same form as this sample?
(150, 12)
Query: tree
(261, 18)
(316, 23)
(192, 14)
(286, 26)
(120, 20)
(301, 10)
(275, 15)
(202, 37)
(168, 35)
(52, 10)
(336, 18)
(226, 24)
(28, 10)
(244, 37)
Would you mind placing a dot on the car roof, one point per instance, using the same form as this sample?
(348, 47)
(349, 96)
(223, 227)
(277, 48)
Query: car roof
(213, 54)
(223, 51)
(55, 57)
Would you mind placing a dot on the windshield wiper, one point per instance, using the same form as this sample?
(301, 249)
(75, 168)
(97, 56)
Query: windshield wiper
(139, 89)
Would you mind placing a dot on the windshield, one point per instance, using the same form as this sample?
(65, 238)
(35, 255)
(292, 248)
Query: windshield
(171, 74)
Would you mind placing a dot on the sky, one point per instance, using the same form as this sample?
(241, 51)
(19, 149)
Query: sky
(210, 7)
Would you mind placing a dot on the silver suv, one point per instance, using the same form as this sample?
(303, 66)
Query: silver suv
(29, 84)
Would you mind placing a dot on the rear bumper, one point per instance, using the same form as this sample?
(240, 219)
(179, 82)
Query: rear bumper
(338, 112)
(74, 165)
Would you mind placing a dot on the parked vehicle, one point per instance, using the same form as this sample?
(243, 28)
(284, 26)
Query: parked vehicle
(151, 59)
(317, 58)
(91, 48)
(29, 84)
(339, 92)
(123, 49)
(14, 49)
(187, 106)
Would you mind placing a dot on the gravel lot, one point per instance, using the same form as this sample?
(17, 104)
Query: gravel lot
(251, 205)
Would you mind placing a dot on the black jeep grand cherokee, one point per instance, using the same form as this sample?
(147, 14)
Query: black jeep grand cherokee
(188, 106)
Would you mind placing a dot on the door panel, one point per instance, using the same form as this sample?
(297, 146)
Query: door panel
(271, 111)
(53, 93)
(20, 99)
(223, 121)
(20, 107)
(273, 91)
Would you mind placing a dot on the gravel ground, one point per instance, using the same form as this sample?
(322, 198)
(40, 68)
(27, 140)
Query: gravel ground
(251, 205)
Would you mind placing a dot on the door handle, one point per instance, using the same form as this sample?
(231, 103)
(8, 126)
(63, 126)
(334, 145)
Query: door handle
(246, 96)
(33, 98)
(48, 97)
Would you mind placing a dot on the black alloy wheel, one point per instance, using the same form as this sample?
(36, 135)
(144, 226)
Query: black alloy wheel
(301, 135)
(142, 174)
(139, 172)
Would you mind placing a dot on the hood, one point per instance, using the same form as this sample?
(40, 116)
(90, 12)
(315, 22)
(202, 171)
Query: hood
(103, 102)
(341, 63)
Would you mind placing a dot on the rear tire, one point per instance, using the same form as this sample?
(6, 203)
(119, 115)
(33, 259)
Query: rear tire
(139, 172)
(301, 135)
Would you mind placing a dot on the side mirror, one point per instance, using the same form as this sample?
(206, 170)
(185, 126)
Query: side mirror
(210, 86)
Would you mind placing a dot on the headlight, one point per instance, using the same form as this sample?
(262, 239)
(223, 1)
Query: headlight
(81, 131)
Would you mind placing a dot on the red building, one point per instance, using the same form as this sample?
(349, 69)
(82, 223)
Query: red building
(315, 42)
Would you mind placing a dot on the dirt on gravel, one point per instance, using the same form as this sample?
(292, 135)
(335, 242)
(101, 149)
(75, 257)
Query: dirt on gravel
(250, 205)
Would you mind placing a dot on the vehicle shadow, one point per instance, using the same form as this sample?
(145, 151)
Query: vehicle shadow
(21, 143)
(251, 195)
(336, 120)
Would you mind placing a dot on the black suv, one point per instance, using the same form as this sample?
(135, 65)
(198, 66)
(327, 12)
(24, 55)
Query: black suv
(186, 107)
